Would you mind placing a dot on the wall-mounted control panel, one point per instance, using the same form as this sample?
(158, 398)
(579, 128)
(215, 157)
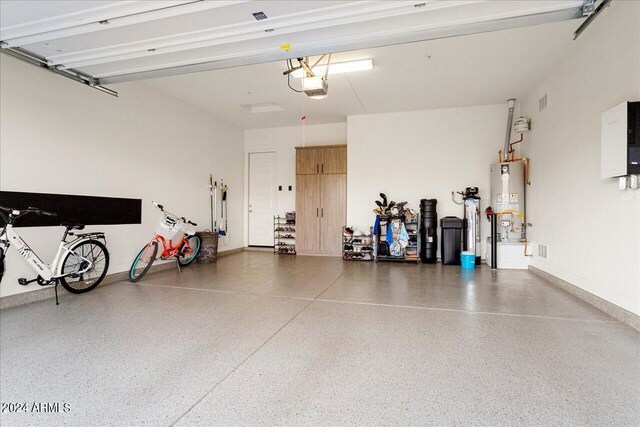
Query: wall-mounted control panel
(620, 140)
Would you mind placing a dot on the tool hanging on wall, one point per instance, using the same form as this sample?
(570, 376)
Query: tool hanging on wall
(213, 190)
(223, 209)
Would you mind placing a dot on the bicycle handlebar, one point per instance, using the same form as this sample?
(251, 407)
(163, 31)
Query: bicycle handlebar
(38, 211)
(30, 209)
(183, 219)
(188, 222)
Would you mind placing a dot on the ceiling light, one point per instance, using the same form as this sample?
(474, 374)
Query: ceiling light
(339, 67)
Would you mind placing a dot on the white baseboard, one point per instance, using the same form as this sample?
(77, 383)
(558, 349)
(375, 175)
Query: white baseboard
(618, 313)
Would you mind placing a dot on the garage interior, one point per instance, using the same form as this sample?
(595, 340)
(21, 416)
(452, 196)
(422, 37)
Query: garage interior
(320, 212)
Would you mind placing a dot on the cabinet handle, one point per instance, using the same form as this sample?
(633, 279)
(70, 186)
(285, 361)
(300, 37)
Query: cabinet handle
(322, 212)
(317, 214)
(317, 168)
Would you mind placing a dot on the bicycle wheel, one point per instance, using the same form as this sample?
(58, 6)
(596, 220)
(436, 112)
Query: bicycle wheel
(1, 263)
(185, 259)
(143, 261)
(92, 250)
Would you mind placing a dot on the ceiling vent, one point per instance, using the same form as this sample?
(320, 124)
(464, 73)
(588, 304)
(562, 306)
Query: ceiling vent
(259, 15)
(264, 107)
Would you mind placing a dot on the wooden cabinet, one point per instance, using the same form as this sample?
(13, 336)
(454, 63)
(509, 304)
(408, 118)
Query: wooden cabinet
(320, 160)
(333, 212)
(334, 160)
(307, 213)
(308, 160)
(321, 199)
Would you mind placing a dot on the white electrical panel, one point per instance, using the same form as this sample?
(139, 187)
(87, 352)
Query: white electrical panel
(613, 144)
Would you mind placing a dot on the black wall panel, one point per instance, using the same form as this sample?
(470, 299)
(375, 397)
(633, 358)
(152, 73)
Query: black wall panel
(88, 210)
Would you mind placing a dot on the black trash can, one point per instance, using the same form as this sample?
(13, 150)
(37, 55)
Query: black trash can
(453, 231)
(428, 231)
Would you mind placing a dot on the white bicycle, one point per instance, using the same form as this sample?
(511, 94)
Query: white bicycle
(79, 265)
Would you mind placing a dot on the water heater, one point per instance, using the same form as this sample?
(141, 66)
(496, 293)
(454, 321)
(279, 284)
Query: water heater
(508, 200)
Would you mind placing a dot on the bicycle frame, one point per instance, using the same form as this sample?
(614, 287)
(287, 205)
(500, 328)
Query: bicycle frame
(170, 250)
(48, 273)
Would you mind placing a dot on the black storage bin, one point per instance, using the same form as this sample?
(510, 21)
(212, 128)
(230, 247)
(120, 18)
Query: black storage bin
(428, 231)
(453, 231)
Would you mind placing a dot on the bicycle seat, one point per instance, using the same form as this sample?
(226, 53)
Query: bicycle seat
(72, 226)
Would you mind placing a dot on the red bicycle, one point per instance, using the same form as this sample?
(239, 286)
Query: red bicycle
(169, 228)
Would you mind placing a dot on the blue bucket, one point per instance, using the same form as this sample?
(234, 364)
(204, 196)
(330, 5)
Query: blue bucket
(468, 260)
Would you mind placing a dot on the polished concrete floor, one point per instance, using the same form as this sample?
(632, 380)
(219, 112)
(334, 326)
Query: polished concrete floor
(260, 339)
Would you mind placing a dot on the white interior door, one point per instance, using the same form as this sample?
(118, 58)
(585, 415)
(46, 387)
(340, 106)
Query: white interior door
(262, 198)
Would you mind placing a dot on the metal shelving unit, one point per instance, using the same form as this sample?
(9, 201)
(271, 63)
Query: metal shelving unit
(284, 234)
(357, 246)
(411, 252)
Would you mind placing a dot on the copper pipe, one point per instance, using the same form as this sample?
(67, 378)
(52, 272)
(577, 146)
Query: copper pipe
(511, 150)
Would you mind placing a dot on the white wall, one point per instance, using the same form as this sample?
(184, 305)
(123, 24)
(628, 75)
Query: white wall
(57, 136)
(283, 141)
(591, 227)
(422, 154)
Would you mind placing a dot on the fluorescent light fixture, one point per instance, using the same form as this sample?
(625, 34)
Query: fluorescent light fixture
(338, 67)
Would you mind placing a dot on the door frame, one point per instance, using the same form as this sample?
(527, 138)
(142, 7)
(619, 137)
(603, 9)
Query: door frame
(275, 155)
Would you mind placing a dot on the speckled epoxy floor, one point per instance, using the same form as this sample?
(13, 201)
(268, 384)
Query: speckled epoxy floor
(260, 339)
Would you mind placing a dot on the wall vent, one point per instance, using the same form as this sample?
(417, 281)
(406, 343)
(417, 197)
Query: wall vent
(542, 103)
(543, 251)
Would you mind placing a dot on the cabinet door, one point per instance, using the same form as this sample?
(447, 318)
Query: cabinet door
(334, 160)
(308, 161)
(333, 212)
(308, 213)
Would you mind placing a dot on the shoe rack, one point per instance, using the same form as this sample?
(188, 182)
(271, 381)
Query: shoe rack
(357, 244)
(284, 234)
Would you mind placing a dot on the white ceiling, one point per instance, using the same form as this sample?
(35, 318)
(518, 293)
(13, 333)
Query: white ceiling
(116, 41)
(121, 41)
(475, 69)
